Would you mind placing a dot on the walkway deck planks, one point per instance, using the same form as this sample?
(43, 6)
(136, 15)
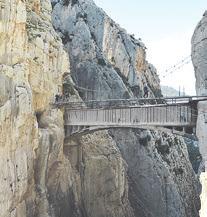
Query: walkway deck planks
(152, 115)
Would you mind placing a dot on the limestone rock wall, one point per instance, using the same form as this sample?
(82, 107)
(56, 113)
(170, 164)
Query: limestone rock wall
(199, 44)
(154, 171)
(32, 62)
(102, 175)
(199, 53)
(203, 179)
(112, 62)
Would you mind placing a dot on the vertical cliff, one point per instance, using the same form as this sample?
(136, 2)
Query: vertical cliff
(105, 60)
(32, 62)
(199, 53)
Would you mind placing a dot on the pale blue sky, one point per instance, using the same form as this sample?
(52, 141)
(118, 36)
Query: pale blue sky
(166, 28)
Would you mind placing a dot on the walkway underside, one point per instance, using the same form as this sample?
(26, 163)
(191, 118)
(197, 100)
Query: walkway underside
(188, 132)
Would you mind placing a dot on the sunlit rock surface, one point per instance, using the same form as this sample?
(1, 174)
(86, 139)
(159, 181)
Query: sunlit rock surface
(112, 62)
(32, 62)
(199, 54)
(203, 179)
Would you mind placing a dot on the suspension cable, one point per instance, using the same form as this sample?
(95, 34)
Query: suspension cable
(176, 67)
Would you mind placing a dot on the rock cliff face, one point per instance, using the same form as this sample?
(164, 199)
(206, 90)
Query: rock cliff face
(199, 53)
(105, 60)
(32, 62)
(116, 173)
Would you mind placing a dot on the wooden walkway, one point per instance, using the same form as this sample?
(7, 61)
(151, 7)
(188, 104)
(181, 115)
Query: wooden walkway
(135, 113)
(152, 115)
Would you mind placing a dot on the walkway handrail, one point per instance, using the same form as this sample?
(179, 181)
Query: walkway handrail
(126, 102)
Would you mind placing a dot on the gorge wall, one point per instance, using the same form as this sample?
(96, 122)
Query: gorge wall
(113, 63)
(32, 62)
(110, 173)
(199, 53)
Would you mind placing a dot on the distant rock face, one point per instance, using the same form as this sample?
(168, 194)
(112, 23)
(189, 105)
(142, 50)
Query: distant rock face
(105, 60)
(170, 91)
(199, 53)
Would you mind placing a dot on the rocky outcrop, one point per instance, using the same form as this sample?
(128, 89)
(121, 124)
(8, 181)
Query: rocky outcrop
(154, 172)
(199, 52)
(102, 175)
(121, 172)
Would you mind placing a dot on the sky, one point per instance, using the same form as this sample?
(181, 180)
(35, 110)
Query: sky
(166, 28)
